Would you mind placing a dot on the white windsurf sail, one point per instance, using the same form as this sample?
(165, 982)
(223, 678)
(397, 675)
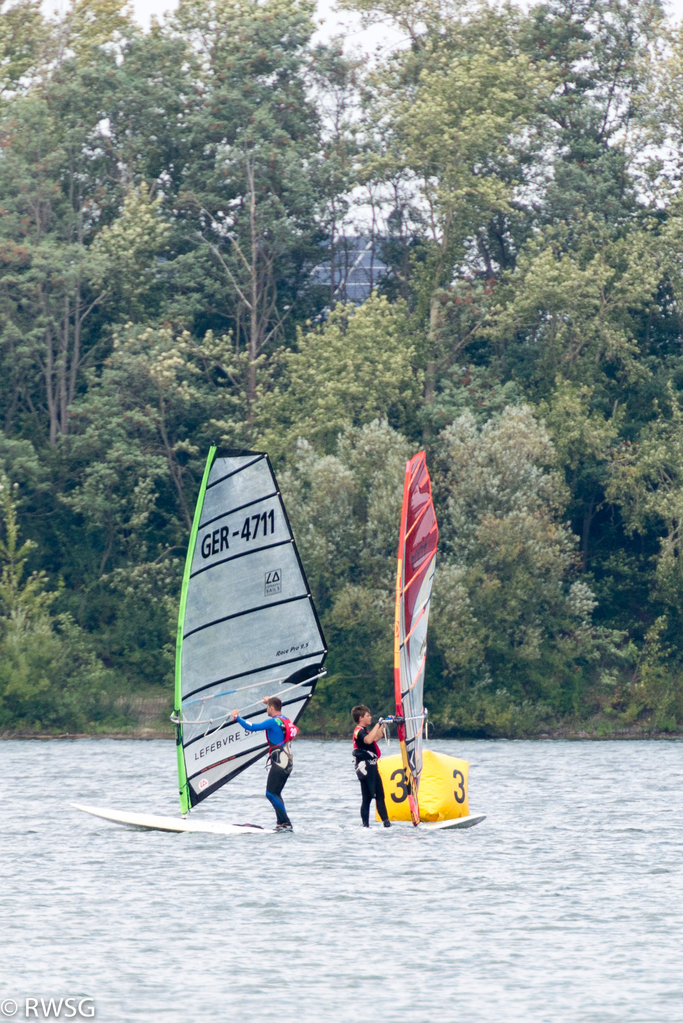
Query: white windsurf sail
(418, 539)
(247, 626)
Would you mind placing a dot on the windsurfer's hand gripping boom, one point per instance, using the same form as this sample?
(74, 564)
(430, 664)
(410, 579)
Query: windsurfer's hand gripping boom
(235, 713)
(375, 733)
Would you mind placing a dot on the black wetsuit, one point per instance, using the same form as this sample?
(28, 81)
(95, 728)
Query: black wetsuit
(367, 754)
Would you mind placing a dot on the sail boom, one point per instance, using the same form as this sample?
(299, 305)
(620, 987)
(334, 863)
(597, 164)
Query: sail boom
(230, 692)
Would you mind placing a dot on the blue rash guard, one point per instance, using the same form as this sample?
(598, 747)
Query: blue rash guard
(274, 734)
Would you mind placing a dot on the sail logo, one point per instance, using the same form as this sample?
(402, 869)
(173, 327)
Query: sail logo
(293, 649)
(273, 583)
(215, 746)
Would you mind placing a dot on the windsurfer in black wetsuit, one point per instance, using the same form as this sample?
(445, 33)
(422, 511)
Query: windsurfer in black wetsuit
(366, 753)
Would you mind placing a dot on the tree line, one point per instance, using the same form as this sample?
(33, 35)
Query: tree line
(167, 201)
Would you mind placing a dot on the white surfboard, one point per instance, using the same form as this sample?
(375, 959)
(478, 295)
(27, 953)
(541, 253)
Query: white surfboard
(457, 822)
(151, 822)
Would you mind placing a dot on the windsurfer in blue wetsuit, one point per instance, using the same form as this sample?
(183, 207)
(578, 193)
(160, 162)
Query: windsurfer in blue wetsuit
(279, 732)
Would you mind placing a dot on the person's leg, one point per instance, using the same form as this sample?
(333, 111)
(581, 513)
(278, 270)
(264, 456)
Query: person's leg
(277, 778)
(379, 798)
(365, 805)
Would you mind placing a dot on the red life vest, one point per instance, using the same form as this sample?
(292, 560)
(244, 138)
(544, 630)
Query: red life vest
(288, 727)
(366, 746)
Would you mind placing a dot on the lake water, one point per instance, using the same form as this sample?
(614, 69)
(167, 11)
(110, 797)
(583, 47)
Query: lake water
(564, 906)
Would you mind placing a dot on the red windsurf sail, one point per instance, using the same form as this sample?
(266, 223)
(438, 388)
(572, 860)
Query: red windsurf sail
(415, 572)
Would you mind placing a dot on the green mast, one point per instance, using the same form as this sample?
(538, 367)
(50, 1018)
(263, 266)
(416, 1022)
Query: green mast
(178, 714)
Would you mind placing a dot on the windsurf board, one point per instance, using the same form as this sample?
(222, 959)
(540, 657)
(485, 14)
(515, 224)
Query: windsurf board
(457, 822)
(152, 822)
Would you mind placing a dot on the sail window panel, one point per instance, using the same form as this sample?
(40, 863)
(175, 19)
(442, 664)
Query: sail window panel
(264, 577)
(413, 663)
(421, 543)
(204, 784)
(231, 465)
(216, 702)
(237, 645)
(416, 645)
(240, 534)
(210, 749)
(420, 494)
(234, 739)
(252, 483)
(217, 758)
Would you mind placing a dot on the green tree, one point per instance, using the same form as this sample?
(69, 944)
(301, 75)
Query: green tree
(167, 199)
(512, 623)
(574, 301)
(462, 104)
(129, 247)
(356, 367)
(600, 57)
(585, 442)
(49, 675)
(250, 196)
(23, 37)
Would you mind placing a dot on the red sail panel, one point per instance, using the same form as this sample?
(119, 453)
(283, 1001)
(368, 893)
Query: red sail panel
(418, 538)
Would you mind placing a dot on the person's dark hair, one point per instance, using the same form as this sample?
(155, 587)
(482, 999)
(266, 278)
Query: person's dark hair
(275, 701)
(358, 712)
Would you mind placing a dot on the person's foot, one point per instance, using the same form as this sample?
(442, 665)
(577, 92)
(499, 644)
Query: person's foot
(387, 824)
(284, 827)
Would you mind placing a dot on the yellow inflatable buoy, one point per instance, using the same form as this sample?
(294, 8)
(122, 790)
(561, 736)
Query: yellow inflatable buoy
(443, 787)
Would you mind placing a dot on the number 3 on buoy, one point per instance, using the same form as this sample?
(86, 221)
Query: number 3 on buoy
(443, 787)
(401, 794)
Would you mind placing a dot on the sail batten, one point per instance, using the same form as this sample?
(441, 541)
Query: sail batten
(241, 507)
(269, 547)
(245, 606)
(418, 538)
(234, 472)
(240, 614)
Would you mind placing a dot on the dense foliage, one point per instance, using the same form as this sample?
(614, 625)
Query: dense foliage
(166, 201)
